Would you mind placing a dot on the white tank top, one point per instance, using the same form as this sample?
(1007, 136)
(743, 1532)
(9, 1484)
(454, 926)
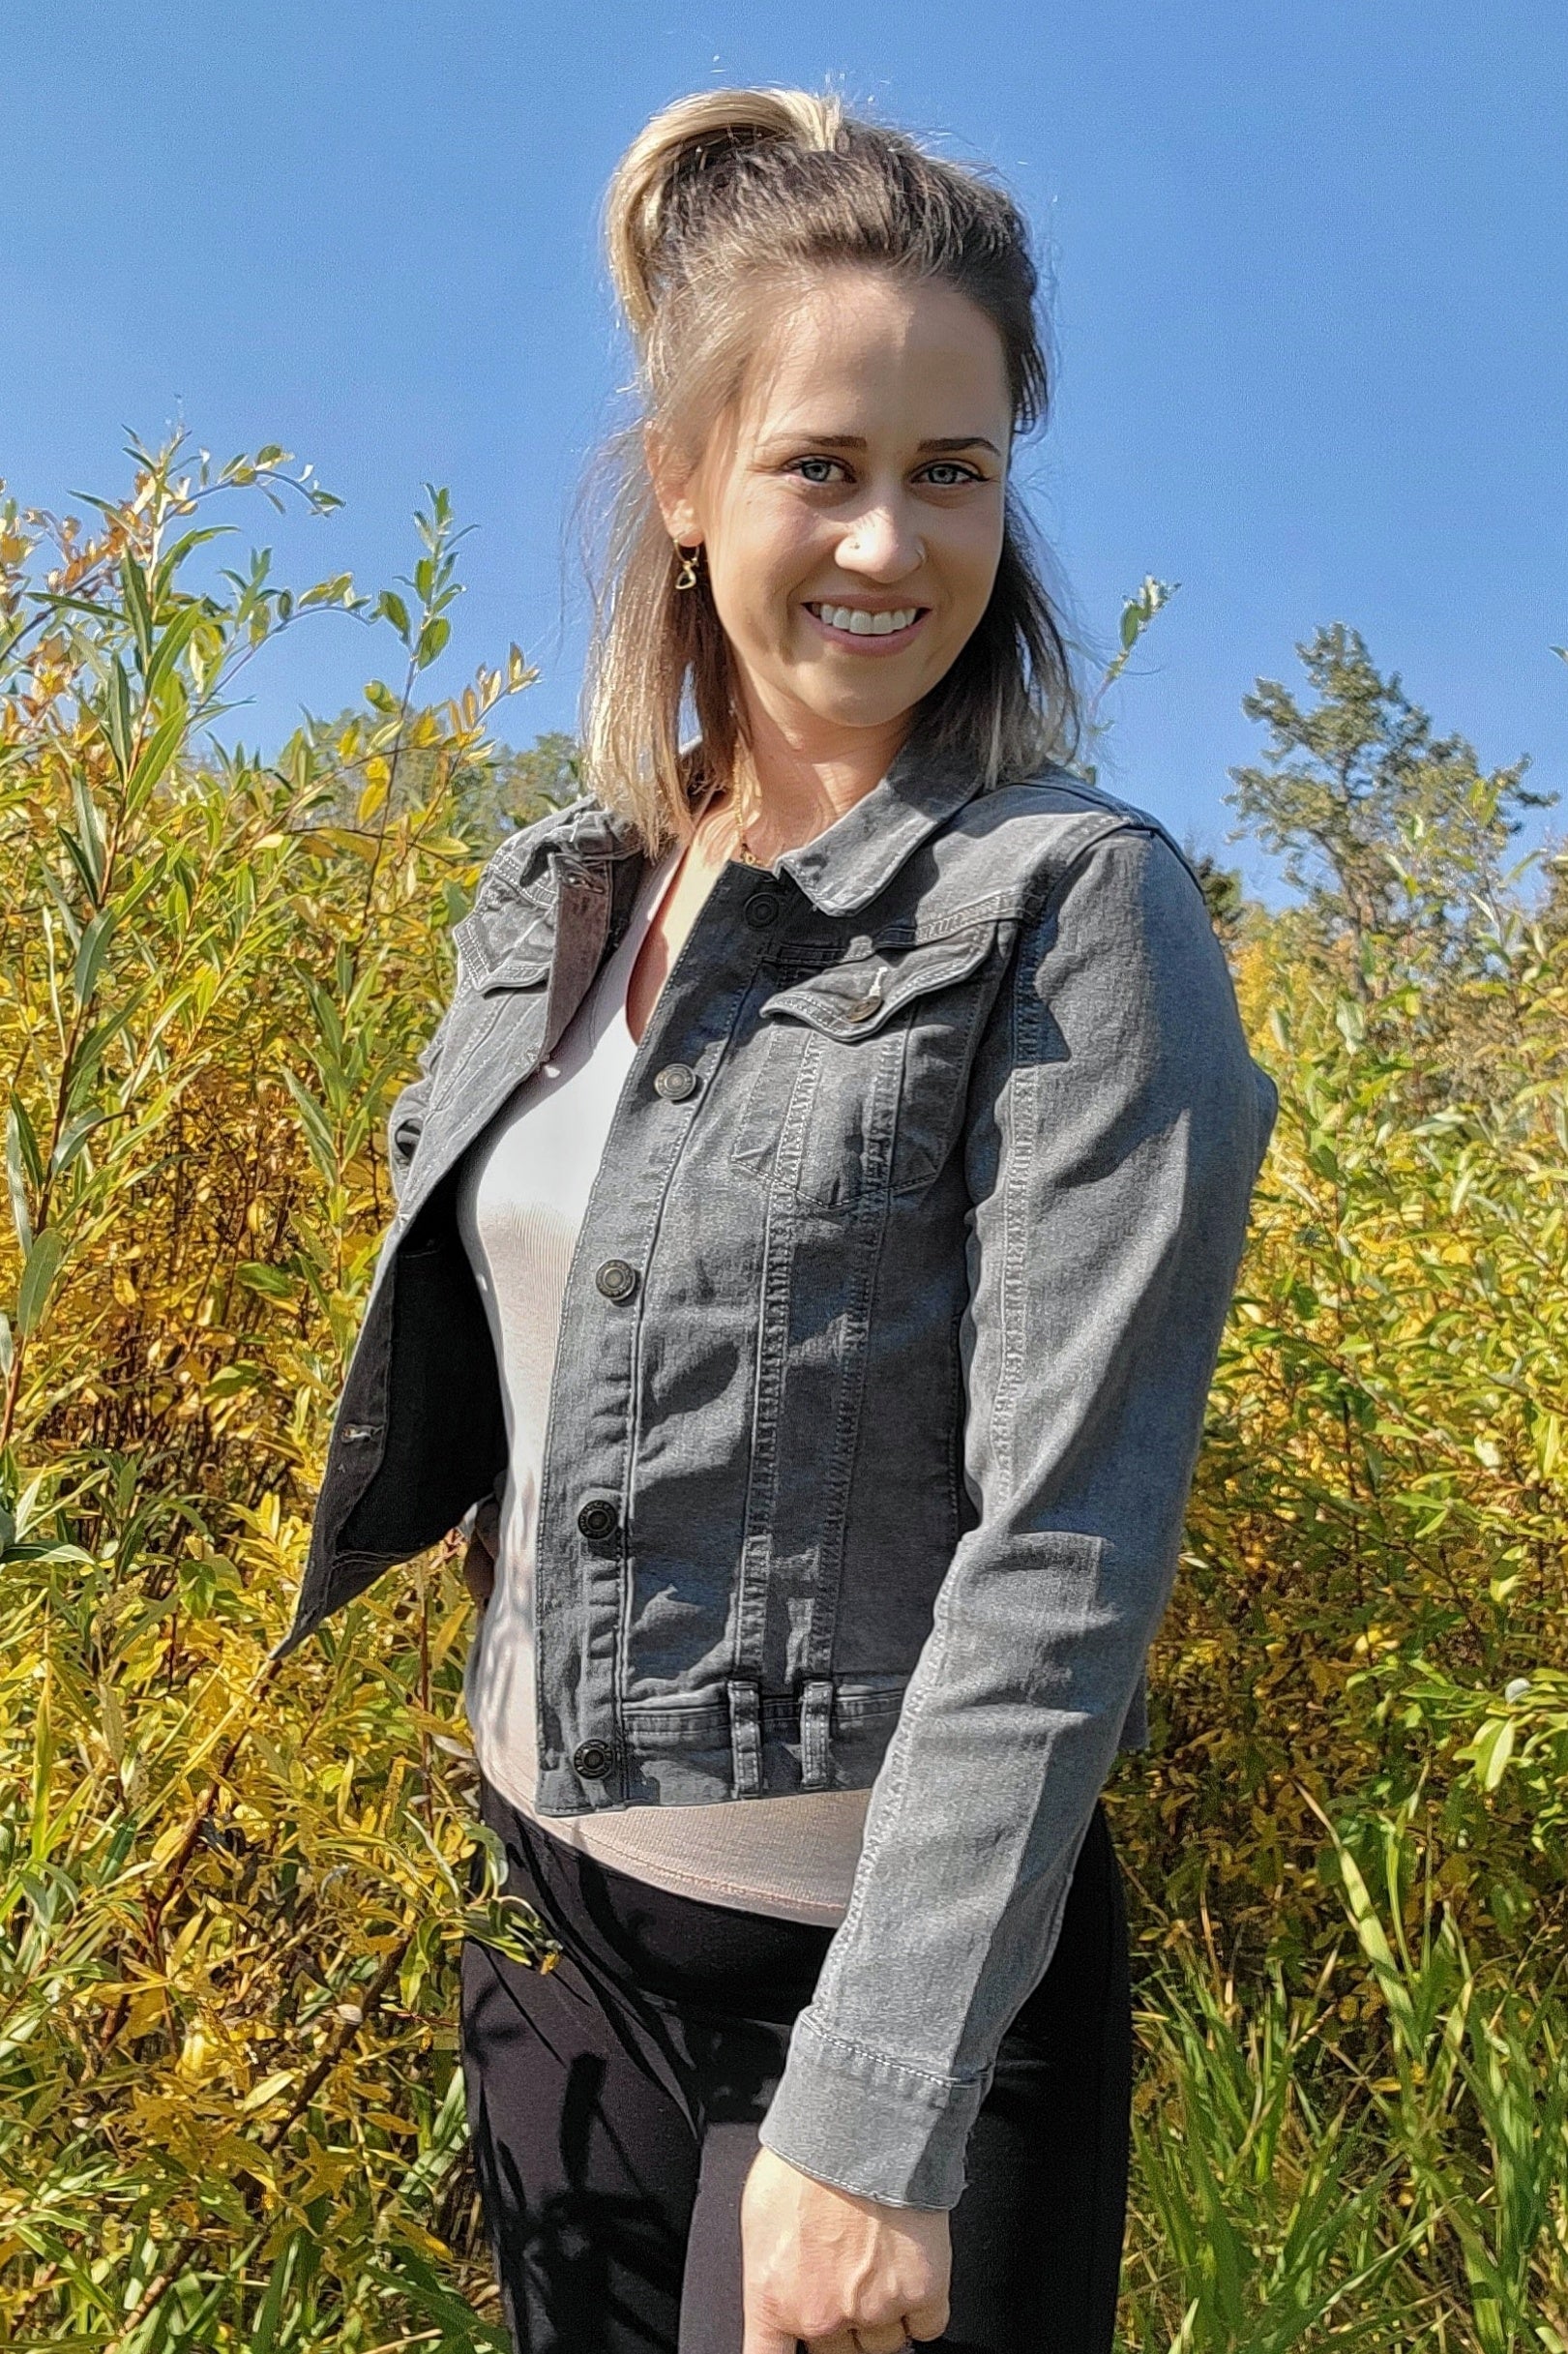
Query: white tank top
(521, 1196)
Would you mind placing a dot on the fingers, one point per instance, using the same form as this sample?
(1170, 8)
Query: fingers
(928, 2320)
(883, 2337)
(762, 2339)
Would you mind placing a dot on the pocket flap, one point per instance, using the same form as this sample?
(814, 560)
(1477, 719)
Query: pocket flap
(860, 997)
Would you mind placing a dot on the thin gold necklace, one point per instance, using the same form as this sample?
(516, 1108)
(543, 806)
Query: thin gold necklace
(748, 856)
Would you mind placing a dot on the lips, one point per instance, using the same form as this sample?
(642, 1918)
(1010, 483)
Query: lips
(866, 626)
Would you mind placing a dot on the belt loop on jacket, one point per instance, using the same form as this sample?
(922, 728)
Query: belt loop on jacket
(746, 1738)
(815, 1722)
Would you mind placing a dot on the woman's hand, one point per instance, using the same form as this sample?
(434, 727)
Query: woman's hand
(478, 1562)
(848, 2274)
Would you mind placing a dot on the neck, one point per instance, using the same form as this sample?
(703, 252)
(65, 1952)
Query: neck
(793, 781)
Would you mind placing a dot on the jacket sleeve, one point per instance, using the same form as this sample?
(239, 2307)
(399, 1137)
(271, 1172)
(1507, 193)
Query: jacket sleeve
(1117, 1124)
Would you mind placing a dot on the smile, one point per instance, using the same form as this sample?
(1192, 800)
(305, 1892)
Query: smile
(867, 631)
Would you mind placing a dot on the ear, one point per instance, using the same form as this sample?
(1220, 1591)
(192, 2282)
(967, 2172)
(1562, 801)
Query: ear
(671, 480)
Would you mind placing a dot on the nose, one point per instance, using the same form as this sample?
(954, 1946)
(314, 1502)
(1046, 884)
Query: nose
(881, 543)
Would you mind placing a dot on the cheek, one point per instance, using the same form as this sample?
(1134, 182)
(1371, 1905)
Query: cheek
(973, 559)
(759, 569)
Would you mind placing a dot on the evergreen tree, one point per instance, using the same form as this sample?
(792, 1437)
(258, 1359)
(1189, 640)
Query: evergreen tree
(1397, 837)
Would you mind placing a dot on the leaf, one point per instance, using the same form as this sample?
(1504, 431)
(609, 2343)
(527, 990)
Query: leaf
(133, 582)
(73, 1141)
(374, 799)
(94, 948)
(272, 1282)
(431, 638)
(510, 1928)
(1491, 1750)
(21, 1162)
(155, 757)
(172, 644)
(39, 1269)
(90, 830)
(6, 1349)
(396, 611)
(263, 2336)
(118, 716)
(317, 1126)
(338, 590)
(79, 859)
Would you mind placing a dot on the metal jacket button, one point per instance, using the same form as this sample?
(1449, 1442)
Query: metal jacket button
(616, 1280)
(593, 1759)
(862, 1009)
(676, 1082)
(762, 909)
(599, 1520)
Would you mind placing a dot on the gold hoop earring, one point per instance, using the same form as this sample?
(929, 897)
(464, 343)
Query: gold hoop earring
(686, 578)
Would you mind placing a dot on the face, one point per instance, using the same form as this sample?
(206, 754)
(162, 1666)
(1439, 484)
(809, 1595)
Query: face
(851, 503)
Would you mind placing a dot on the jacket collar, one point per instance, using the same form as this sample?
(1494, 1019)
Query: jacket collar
(584, 834)
(843, 867)
(859, 854)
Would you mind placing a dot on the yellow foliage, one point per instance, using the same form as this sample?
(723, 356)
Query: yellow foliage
(230, 2114)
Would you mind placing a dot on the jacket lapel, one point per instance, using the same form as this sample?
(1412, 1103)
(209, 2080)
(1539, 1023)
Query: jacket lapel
(527, 953)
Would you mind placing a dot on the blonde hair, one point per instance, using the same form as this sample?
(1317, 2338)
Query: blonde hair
(722, 195)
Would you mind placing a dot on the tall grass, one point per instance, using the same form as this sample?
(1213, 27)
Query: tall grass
(230, 2111)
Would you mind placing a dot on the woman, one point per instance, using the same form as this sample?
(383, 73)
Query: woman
(817, 1219)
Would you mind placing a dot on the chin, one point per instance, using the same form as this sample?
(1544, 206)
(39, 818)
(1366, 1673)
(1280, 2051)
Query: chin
(861, 711)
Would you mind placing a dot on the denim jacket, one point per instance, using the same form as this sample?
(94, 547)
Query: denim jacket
(880, 1376)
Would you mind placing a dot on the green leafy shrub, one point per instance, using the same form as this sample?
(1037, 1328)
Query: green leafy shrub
(230, 2111)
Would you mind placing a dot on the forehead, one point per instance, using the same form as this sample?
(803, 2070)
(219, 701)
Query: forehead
(853, 347)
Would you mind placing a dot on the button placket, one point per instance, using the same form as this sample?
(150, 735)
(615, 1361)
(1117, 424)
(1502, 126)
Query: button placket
(600, 1519)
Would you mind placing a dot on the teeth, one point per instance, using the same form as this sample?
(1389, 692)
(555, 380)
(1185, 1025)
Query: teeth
(861, 624)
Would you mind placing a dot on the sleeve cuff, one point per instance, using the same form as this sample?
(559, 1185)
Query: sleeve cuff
(867, 2122)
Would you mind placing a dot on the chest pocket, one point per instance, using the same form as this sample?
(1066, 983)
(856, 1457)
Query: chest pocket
(861, 1070)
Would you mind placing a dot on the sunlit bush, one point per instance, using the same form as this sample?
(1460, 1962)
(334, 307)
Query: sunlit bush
(230, 2114)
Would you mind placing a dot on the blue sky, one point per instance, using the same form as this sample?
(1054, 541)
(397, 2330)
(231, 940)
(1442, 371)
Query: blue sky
(1310, 298)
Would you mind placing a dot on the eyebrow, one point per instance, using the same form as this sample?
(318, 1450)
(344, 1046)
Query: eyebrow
(858, 441)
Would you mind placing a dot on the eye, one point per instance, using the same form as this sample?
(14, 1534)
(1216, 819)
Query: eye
(949, 474)
(804, 467)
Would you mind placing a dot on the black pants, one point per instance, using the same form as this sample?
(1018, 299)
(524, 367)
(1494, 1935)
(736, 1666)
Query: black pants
(614, 2102)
